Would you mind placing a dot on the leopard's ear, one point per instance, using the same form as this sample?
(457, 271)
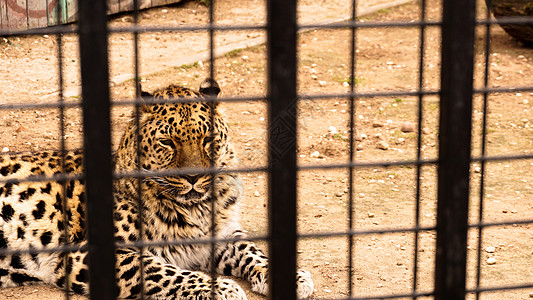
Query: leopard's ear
(140, 91)
(143, 96)
(209, 87)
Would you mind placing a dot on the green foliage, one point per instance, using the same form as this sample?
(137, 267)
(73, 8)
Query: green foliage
(234, 53)
(190, 66)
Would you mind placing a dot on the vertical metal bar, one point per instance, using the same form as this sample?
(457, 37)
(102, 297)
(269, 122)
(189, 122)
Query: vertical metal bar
(483, 146)
(213, 229)
(458, 24)
(27, 14)
(282, 99)
(59, 41)
(351, 217)
(138, 92)
(419, 139)
(97, 147)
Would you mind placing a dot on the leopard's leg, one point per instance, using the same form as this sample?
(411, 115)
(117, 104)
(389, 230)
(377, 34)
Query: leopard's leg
(243, 259)
(167, 281)
(73, 271)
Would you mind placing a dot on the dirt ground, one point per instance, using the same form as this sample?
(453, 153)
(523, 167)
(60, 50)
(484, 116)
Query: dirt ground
(387, 60)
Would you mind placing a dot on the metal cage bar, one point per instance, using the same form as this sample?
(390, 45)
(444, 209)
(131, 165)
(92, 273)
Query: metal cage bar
(97, 147)
(282, 104)
(455, 126)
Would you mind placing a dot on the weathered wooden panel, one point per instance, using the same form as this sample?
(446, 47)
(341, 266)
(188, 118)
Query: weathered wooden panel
(26, 14)
(17, 12)
(3, 14)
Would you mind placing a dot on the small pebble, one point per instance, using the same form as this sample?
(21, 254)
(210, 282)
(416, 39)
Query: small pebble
(5, 149)
(256, 193)
(322, 83)
(382, 145)
(332, 129)
(315, 154)
(491, 261)
(376, 124)
(407, 127)
(371, 215)
(490, 249)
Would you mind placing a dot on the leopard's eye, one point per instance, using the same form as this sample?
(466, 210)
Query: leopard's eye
(208, 139)
(167, 142)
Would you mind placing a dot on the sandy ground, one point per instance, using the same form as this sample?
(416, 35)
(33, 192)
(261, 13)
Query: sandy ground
(387, 60)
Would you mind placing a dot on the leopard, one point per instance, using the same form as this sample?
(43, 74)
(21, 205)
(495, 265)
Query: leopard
(162, 137)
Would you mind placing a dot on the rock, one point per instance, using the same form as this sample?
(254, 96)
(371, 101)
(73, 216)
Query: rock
(376, 124)
(491, 261)
(515, 8)
(315, 154)
(332, 130)
(407, 127)
(400, 141)
(382, 145)
(371, 215)
(490, 249)
(359, 147)
(322, 83)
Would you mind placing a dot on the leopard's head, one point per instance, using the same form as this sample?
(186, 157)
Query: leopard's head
(189, 135)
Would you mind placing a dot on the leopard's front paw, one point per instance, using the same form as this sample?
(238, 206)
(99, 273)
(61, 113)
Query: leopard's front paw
(304, 284)
(200, 288)
(227, 289)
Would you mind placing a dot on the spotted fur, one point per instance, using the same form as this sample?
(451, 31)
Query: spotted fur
(189, 135)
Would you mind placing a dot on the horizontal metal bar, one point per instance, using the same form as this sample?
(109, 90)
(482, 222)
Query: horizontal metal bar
(148, 100)
(364, 24)
(504, 89)
(502, 157)
(368, 94)
(72, 248)
(40, 105)
(71, 28)
(505, 223)
(364, 232)
(370, 164)
(387, 296)
(60, 29)
(146, 29)
(43, 178)
(501, 288)
(202, 241)
(518, 20)
(186, 171)
(65, 248)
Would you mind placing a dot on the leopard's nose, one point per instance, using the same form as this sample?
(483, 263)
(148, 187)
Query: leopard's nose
(192, 179)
